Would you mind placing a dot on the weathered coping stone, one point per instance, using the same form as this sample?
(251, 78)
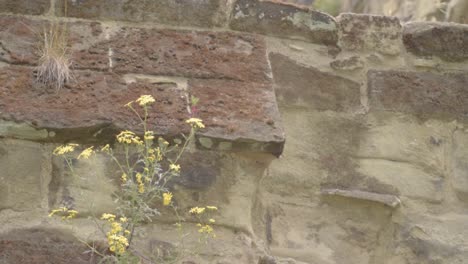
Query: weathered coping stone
(362, 32)
(27, 7)
(424, 94)
(448, 41)
(207, 13)
(283, 20)
(227, 71)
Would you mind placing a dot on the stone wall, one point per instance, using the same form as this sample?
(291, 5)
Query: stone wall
(374, 168)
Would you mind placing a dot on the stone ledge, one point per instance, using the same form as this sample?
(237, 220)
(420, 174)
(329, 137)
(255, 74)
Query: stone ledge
(448, 41)
(229, 72)
(283, 20)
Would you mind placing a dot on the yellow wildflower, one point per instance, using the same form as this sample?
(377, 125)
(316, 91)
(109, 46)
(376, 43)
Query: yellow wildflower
(197, 210)
(145, 100)
(124, 178)
(112, 248)
(106, 148)
(174, 167)
(211, 220)
(123, 219)
(149, 135)
(128, 137)
(195, 122)
(61, 150)
(167, 198)
(207, 229)
(116, 227)
(214, 208)
(141, 188)
(109, 217)
(85, 154)
(64, 212)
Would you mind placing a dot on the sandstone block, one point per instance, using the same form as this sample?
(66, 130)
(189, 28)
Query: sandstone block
(424, 94)
(206, 13)
(305, 86)
(448, 41)
(283, 20)
(358, 32)
(24, 175)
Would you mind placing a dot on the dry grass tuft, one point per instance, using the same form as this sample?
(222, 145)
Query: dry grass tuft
(54, 62)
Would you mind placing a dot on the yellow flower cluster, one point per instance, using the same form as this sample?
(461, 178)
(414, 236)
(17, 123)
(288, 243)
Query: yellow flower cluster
(195, 122)
(145, 100)
(205, 229)
(64, 149)
(124, 178)
(155, 154)
(141, 185)
(85, 154)
(174, 167)
(167, 198)
(128, 137)
(64, 212)
(149, 135)
(117, 236)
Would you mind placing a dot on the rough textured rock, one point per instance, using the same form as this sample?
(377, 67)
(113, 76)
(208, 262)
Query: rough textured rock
(205, 13)
(444, 40)
(308, 87)
(37, 7)
(424, 94)
(43, 245)
(369, 32)
(119, 64)
(24, 187)
(283, 20)
(460, 164)
(348, 64)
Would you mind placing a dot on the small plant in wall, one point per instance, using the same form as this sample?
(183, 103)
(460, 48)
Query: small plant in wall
(147, 165)
(54, 63)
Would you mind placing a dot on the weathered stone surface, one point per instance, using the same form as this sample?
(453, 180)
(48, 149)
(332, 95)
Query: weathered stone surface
(430, 239)
(241, 112)
(206, 13)
(409, 180)
(460, 164)
(424, 94)
(300, 85)
(358, 32)
(89, 189)
(119, 64)
(283, 20)
(43, 245)
(149, 51)
(447, 41)
(36, 7)
(348, 64)
(21, 131)
(24, 175)
(92, 105)
(389, 200)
